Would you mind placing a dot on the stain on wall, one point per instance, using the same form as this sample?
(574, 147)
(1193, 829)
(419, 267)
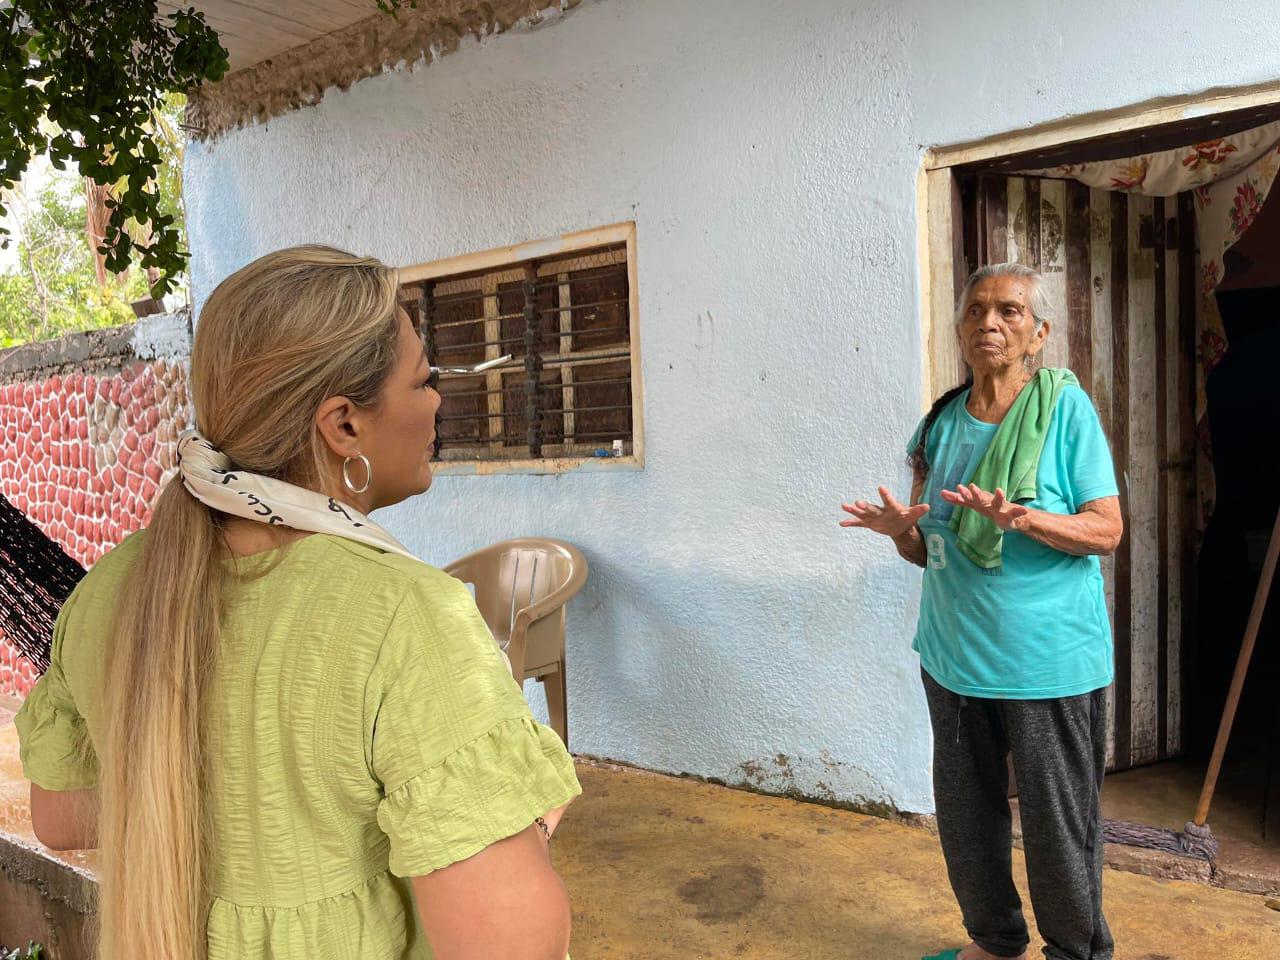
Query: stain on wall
(300, 77)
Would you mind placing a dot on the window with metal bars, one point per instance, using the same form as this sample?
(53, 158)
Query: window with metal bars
(565, 322)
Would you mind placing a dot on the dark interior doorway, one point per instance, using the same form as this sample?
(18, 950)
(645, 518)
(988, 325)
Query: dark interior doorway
(1244, 410)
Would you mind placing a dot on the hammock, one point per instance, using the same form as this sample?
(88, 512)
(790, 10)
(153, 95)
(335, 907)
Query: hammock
(36, 577)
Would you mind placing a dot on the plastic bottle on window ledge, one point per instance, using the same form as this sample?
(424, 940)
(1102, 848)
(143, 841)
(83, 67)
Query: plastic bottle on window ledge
(617, 448)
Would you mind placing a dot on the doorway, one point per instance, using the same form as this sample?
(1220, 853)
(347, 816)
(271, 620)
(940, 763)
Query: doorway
(1124, 273)
(1243, 401)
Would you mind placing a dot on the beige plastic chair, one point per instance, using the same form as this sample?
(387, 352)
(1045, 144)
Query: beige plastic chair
(522, 587)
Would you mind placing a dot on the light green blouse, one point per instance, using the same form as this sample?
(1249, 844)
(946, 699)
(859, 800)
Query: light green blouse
(365, 729)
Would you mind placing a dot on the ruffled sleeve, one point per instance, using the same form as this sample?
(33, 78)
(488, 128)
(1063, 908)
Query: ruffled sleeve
(461, 761)
(488, 789)
(55, 749)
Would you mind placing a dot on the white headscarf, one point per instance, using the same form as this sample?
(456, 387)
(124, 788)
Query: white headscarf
(209, 476)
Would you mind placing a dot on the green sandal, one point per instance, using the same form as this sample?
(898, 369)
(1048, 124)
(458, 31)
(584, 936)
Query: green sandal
(944, 955)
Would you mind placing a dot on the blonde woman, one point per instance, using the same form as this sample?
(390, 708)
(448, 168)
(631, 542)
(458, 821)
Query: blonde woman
(288, 737)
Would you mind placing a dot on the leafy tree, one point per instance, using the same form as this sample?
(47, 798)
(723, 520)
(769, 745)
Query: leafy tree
(53, 286)
(99, 72)
(165, 131)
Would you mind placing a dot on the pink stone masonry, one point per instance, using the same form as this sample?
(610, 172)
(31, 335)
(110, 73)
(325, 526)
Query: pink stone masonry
(84, 455)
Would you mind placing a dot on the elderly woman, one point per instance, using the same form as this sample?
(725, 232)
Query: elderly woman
(1013, 501)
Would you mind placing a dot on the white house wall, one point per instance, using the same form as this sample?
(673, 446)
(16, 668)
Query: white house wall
(768, 154)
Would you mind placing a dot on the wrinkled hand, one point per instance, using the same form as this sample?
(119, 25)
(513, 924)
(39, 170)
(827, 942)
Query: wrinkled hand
(891, 518)
(993, 506)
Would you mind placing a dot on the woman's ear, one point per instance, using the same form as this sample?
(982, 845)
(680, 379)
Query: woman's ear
(1038, 338)
(338, 421)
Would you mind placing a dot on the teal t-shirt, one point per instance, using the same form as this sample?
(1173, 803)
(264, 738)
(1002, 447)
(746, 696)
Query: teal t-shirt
(1036, 626)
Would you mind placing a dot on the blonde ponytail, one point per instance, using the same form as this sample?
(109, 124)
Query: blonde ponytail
(153, 827)
(274, 341)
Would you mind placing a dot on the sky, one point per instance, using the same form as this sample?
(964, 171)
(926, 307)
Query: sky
(36, 177)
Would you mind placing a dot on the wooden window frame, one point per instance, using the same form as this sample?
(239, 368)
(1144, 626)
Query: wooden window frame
(511, 256)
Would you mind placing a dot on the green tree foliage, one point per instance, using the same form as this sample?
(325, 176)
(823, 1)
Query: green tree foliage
(98, 72)
(52, 286)
(51, 282)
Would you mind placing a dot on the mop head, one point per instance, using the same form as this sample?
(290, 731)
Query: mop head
(1192, 842)
(1198, 841)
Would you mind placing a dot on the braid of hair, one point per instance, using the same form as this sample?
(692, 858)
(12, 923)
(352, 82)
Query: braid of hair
(917, 459)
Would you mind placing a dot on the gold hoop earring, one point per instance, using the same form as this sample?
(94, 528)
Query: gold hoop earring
(346, 473)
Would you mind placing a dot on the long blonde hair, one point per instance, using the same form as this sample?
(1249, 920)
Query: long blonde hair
(275, 340)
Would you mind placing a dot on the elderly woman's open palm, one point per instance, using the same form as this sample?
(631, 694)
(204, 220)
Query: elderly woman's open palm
(891, 518)
(1003, 513)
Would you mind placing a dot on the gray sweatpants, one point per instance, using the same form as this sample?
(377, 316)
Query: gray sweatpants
(1059, 756)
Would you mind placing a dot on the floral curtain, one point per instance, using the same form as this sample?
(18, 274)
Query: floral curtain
(1229, 178)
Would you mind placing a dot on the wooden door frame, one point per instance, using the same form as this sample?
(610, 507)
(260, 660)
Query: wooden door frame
(940, 247)
(947, 173)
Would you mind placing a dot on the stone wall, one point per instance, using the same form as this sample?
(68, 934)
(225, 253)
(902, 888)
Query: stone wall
(88, 428)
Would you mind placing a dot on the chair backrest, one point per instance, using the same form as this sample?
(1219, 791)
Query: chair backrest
(514, 574)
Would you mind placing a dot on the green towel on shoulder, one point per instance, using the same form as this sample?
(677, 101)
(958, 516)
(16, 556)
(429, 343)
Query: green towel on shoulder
(1010, 463)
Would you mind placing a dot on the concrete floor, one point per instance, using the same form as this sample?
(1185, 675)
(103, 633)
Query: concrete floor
(661, 868)
(1165, 795)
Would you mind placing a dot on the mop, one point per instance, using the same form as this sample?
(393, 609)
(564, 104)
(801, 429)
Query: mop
(1196, 839)
(36, 577)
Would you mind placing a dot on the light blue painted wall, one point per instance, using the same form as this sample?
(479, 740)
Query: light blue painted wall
(768, 154)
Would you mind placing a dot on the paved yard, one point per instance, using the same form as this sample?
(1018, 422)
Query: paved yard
(666, 868)
(661, 868)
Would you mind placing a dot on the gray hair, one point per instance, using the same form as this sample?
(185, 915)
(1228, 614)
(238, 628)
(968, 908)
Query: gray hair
(1041, 308)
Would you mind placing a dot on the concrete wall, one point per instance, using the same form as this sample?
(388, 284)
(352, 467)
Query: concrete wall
(44, 896)
(88, 428)
(768, 154)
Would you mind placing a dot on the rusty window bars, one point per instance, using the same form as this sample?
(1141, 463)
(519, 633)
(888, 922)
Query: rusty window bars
(551, 413)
